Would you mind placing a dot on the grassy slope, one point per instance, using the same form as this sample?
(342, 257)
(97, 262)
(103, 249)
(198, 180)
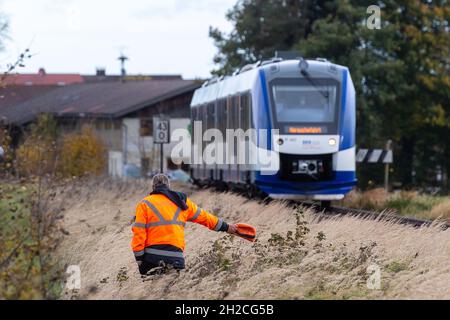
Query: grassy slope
(408, 203)
(296, 256)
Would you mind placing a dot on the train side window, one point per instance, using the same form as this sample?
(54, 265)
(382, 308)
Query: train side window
(223, 116)
(244, 112)
(207, 116)
(229, 113)
(202, 117)
(250, 111)
(237, 106)
(193, 118)
(193, 114)
(213, 115)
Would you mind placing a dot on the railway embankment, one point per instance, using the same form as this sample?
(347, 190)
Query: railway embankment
(297, 255)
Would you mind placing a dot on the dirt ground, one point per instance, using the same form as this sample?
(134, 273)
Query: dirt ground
(297, 255)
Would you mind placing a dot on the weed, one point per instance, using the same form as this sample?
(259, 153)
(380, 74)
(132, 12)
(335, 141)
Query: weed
(122, 276)
(320, 236)
(278, 249)
(397, 266)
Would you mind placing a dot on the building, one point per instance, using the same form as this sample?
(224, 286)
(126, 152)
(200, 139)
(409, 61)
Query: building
(120, 109)
(42, 79)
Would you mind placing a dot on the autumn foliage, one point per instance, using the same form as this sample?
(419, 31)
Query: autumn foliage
(82, 154)
(44, 151)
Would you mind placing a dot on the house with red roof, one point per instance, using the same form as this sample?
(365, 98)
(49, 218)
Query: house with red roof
(120, 109)
(42, 78)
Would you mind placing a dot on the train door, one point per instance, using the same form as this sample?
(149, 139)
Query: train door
(243, 124)
(210, 125)
(204, 116)
(194, 168)
(227, 175)
(237, 126)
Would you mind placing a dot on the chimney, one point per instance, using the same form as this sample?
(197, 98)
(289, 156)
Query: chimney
(100, 72)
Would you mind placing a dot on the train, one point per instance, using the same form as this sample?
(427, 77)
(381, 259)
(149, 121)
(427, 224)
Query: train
(309, 103)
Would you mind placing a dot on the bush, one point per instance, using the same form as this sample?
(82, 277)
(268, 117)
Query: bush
(82, 154)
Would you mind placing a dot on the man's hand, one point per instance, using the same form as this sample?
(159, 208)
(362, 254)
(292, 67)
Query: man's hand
(232, 229)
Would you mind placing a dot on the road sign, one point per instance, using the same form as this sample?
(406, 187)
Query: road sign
(161, 130)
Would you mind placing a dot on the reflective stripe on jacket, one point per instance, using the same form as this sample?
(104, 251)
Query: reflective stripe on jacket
(159, 221)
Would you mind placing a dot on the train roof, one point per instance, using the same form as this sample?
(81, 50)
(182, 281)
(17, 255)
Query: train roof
(244, 79)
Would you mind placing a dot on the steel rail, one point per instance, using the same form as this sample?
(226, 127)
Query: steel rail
(373, 215)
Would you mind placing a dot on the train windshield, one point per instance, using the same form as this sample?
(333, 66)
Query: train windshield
(316, 104)
(303, 103)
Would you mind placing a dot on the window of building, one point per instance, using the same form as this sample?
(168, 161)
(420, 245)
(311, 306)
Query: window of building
(146, 129)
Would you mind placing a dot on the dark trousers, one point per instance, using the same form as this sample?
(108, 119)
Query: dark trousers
(160, 263)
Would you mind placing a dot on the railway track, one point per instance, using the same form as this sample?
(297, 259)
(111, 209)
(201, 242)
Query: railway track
(332, 211)
(367, 214)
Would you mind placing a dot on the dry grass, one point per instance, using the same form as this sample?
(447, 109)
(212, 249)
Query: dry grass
(296, 255)
(409, 203)
(371, 199)
(440, 211)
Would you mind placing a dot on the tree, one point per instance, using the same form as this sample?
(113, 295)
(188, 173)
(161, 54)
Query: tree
(401, 75)
(401, 71)
(262, 27)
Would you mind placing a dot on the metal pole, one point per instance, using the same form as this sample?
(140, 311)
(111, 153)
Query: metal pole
(386, 168)
(162, 158)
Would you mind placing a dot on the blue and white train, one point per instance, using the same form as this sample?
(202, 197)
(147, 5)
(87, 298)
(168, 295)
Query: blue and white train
(310, 102)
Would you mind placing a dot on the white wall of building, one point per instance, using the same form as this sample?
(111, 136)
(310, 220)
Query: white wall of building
(115, 164)
(136, 147)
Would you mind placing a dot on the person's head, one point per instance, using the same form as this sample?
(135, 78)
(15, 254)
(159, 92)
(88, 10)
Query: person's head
(160, 180)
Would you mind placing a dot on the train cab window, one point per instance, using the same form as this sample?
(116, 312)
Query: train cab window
(299, 102)
(308, 103)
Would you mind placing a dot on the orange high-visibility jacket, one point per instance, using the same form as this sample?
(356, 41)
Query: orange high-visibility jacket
(160, 221)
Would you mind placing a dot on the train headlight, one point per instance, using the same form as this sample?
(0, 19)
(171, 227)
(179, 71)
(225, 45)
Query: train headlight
(280, 141)
(332, 142)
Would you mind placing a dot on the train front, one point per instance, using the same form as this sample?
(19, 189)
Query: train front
(312, 104)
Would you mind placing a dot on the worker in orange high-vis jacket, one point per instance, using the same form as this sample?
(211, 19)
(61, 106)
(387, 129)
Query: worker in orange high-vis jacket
(158, 229)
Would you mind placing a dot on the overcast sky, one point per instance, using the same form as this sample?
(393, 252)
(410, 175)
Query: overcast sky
(76, 36)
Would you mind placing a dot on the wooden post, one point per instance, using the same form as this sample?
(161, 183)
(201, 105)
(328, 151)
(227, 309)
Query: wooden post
(386, 167)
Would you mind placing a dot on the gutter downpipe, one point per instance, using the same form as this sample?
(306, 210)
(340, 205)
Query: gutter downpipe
(125, 143)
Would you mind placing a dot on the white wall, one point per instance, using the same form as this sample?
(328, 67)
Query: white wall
(135, 147)
(115, 164)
